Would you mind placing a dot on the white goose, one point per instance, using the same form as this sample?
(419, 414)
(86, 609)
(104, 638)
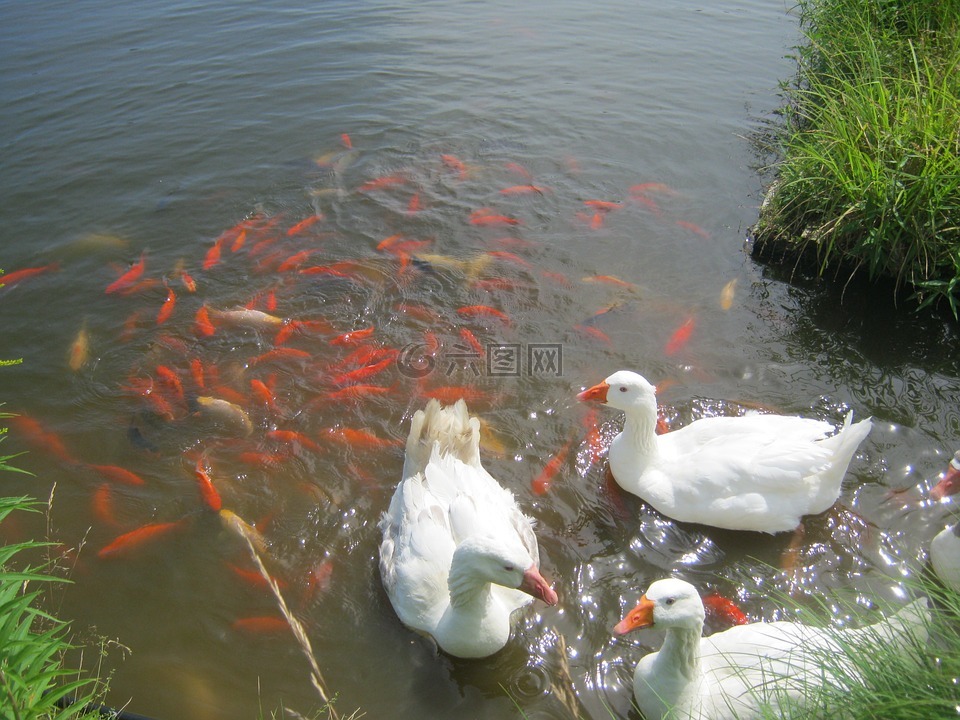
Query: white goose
(945, 546)
(731, 673)
(757, 472)
(457, 555)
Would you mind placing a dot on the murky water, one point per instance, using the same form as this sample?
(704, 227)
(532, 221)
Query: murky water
(156, 133)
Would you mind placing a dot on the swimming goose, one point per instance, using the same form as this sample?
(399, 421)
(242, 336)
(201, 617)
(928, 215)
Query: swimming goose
(731, 673)
(759, 472)
(457, 556)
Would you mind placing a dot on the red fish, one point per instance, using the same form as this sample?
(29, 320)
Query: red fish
(652, 187)
(239, 241)
(420, 312)
(523, 190)
(202, 326)
(353, 337)
(361, 438)
(470, 339)
(254, 578)
(596, 222)
(603, 205)
(295, 261)
(170, 379)
(485, 216)
(648, 203)
(389, 242)
(483, 310)
(118, 474)
(455, 163)
(318, 579)
(16, 276)
(166, 310)
(356, 392)
(196, 372)
(382, 182)
(213, 254)
(694, 228)
(518, 169)
(510, 257)
(129, 277)
(292, 437)
(414, 205)
(37, 435)
(280, 353)
(263, 394)
(725, 609)
(594, 436)
(103, 505)
(367, 371)
(264, 460)
(595, 333)
(262, 625)
(541, 484)
(134, 539)
(680, 336)
(304, 224)
(188, 282)
(208, 492)
(345, 139)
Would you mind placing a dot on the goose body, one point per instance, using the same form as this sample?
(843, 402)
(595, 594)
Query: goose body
(457, 555)
(732, 673)
(759, 472)
(945, 556)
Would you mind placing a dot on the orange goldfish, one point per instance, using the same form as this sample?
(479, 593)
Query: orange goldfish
(361, 438)
(345, 139)
(382, 182)
(455, 163)
(304, 224)
(487, 217)
(128, 278)
(118, 474)
(136, 538)
(483, 310)
(166, 310)
(680, 336)
(471, 340)
(292, 437)
(254, 578)
(202, 326)
(603, 205)
(595, 333)
(295, 261)
(37, 435)
(541, 484)
(208, 492)
(103, 505)
(523, 190)
(12, 278)
(213, 254)
(262, 625)
(79, 353)
(694, 228)
(353, 337)
(725, 609)
(362, 373)
(518, 169)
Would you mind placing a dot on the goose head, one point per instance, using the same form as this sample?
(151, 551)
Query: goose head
(669, 603)
(624, 390)
(484, 559)
(950, 482)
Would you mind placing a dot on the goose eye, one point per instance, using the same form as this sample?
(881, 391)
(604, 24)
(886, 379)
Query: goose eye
(508, 568)
(623, 388)
(669, 601)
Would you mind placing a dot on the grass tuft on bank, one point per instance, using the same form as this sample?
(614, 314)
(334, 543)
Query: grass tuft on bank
(868, 177)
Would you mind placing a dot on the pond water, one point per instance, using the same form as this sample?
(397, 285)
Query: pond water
(289, 137)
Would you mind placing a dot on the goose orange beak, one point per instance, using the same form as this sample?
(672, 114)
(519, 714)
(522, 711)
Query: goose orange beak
(949, 484)
(597, 392)
(535, 584)
(640, 617)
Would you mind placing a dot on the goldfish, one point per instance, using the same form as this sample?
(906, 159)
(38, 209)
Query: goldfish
(390, 241)
(382, 182)
(324, 270)
(595, 333)
(292, 437)
(518, 169)
(356, 392)
(318, 579)
(295, 261)
(103, 505)
(353, 337)
(171, 380)
(472, 268)
(213, 254)
(254, 578)
(118, 474)
(609, 280)
(523, 190)
(239, 241)
(725, 609)
(79, 353)
(188, 282)
(128, 278)
(202, 326)
(304, 224)
(596, 222)
(263, 394)
(680, 336)
(485, 216)
(603, 205)
(280, 353)
(420, 312)
(727, 293)
(648, 203)
(262, 624)
(483, 310)
(652, 187)
(345, 139)
(470, 339)
(166, 310)
(594, 437)
(249, 318)
(694, 228)
(12, 278)
(136, 538)
(361, 438)
(455, 163)
(369, 370)
(268, 461)
(40, 437)
(541, 484)
(413, 206)
(510, 257)
(226, 411)
(208, 492)
(196, 372)
(233, 522)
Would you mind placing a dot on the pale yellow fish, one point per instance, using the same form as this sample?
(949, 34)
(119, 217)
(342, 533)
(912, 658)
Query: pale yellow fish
(248, 318)
(491, 440)
(241, 527)
(79, 354)
(99, 241)
(472, 268)
(726, 295)
(226, 411)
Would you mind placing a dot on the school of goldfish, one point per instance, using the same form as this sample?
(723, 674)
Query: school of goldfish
(318, 323)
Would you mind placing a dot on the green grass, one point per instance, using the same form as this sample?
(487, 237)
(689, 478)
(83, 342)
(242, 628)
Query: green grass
(868, 177)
